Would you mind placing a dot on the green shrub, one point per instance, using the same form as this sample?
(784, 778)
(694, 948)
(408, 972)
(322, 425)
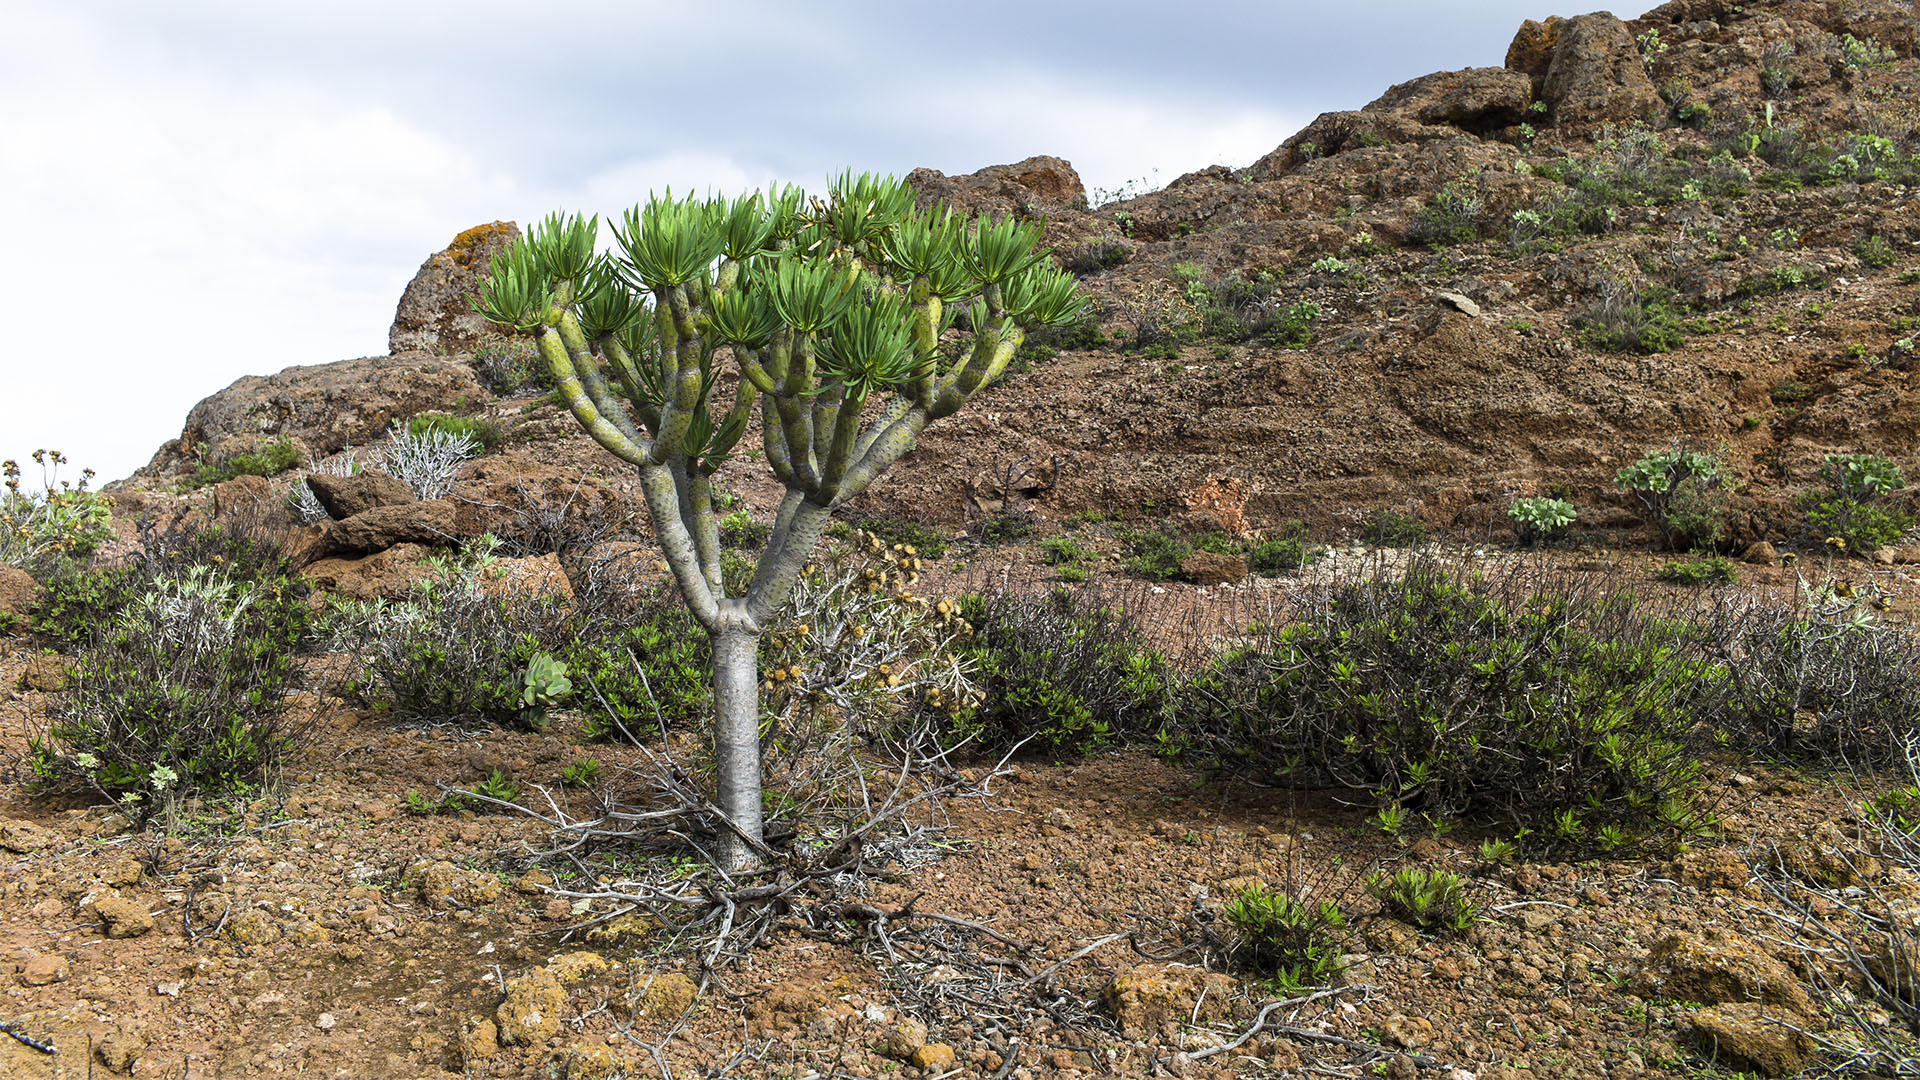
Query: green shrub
(182, 694)
(269, 459)
(1621, 321)
(1426, 900)
(739, 530)
(1155, 554)
(451, 653)
(1699, 570)
(1299, 942)
(81, 603)
(1874, 252)
(1389, 528)
(1451, 216)
(1458, 695)
(1856, 506)
(509, 366)
(1683, 491)
(1006, 527)
(1066, 554)
(1287, 549)
(584, 773)
(1059, 671)
(484, 432)
(63, 523)
(652, 668)
(1538, 520)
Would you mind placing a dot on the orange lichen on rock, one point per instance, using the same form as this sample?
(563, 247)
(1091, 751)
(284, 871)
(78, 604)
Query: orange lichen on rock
(1225, 499)
(463, 246)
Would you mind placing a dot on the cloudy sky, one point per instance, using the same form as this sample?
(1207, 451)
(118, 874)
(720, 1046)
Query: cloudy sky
(205, 189)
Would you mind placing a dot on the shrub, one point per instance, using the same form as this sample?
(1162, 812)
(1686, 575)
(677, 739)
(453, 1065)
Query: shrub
(1389, 528)
(1459, 695)
(1682, 490)
(1427, 900)
(1287, 550)
(483, 432)
(1538, 520)
(183, 694)
(306, 505)
(1622, 321)
(426, 461)
(43, 531)
(1856, 506)
(1299, 942)
(1069, 556)
(1823, 679)
(584, 773)
(269, 459)
(510, 365)
(1155, 554)
(1059, 671)
(1097, 255)
(1699, 570)
(1450, 217)
(1874, 252)
(82, 603)
(857, 650)
(451, 652)
(652, 669)
(739, 530)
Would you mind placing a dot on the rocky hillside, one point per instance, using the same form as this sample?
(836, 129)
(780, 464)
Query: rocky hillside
(1698, 226)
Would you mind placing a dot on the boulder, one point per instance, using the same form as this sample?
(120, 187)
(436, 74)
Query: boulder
(1479, 100)
(382, 527)
(320, 408)
(1747, 1035)
(1213, 568)
(1038, 183)
(1595, 74)
(538, 505)
(1531, 51)
(19, 595)
(1147, 996)
(433, 315)
(1719, 967)
(344, 496)
(388, 574)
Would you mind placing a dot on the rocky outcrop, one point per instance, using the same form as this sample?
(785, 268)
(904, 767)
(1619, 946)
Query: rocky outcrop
(1477, 100)
(434, 315)
(1038, 183)
(1587, 69)
(344, 496)
(320, 408)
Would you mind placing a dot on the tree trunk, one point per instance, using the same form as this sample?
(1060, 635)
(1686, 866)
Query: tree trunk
(736, 742)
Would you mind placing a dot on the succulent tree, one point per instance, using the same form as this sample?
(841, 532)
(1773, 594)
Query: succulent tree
(833, 313)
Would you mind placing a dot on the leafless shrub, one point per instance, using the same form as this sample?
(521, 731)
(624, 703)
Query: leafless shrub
(1859, 933)
(426, 460)
(306, 505)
